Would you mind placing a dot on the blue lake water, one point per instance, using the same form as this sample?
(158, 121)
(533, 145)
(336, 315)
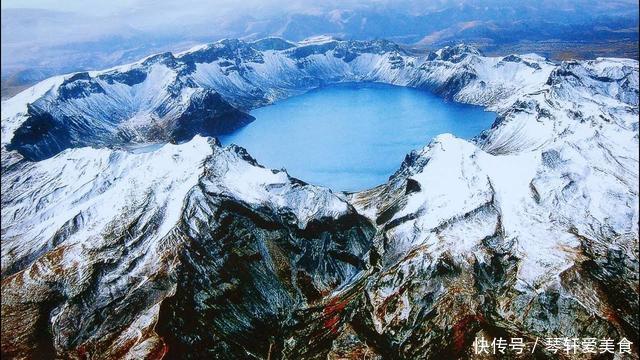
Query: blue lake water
(352, 136)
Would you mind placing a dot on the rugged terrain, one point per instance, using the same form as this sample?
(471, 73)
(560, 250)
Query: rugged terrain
(128, 232)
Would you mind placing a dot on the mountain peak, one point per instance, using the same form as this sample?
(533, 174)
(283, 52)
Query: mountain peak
(320, 39)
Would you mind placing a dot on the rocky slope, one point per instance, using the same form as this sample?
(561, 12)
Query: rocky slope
(192, 250)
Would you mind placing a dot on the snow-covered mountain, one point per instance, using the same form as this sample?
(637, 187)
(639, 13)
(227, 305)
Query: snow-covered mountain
(206, 90)
(186, 249)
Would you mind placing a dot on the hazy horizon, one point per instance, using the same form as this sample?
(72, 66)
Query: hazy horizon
(41, 38)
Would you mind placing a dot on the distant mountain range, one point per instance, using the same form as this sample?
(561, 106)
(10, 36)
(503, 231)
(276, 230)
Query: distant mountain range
(40, 43)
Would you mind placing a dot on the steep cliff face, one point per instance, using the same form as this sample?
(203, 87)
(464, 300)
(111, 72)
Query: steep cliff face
(136, 106)
(193, 250)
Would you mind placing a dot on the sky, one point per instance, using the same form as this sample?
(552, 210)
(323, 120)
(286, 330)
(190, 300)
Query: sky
(193, 6)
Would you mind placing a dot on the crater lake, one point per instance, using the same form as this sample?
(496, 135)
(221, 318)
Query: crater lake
(353, 136)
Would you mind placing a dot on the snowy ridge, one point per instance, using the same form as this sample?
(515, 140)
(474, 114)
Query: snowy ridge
(46, 211)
